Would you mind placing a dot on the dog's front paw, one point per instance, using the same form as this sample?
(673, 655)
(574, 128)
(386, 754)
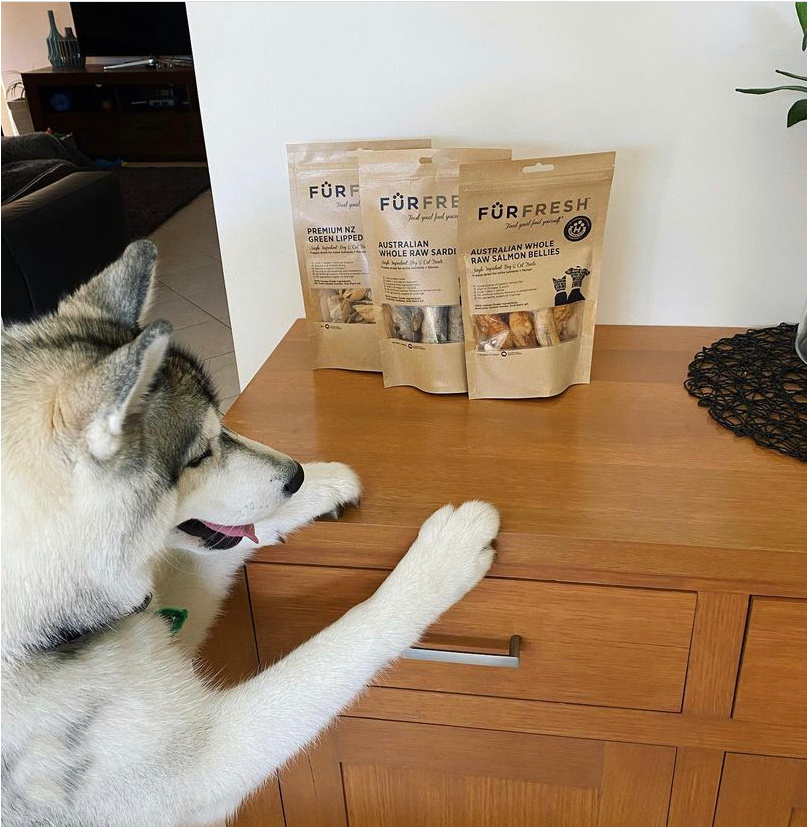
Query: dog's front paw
(331, 487)
(453, 552)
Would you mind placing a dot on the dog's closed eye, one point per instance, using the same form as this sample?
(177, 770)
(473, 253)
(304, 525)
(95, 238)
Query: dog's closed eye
(197, 461)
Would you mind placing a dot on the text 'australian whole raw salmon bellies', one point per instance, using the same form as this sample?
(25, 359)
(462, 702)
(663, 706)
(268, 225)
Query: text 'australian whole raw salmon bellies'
(529, 250)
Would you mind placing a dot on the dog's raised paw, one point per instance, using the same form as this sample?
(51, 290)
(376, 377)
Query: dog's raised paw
(332, 486)
(453, 551)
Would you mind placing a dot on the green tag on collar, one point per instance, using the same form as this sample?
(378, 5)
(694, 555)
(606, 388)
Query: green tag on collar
(175, 617)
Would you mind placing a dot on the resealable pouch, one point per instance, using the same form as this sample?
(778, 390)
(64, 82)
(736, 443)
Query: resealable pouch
(529, 251)
(410, 207)
(331, 255)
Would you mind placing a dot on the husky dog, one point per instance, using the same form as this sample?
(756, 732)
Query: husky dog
(120, 485)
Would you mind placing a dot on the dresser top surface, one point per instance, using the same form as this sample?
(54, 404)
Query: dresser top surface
(629, 461)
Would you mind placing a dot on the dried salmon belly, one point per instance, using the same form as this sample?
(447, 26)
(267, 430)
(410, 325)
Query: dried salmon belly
(493, 332)
(546, 333)
(529, 249)
(569, 320)
(522, 329)
(546, 327)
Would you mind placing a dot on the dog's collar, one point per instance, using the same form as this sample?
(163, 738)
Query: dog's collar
(70, 638)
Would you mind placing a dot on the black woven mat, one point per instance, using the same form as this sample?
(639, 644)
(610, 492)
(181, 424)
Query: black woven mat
(755, 385)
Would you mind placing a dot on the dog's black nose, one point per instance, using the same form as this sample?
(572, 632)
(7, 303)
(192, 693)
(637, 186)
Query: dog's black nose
(293, 485)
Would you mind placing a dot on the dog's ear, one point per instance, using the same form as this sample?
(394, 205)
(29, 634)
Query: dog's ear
(123, 382)
(122, 292)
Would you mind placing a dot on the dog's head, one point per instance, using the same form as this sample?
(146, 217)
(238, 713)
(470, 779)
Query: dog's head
(113, 450)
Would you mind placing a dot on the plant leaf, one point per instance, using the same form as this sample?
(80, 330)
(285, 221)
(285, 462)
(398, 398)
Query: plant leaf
(801, 12)
(791, 75)
(797, 112)
(772, 89)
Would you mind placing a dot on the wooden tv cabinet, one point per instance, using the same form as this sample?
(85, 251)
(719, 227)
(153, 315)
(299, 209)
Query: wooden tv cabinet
(137, 114)
(654, 565)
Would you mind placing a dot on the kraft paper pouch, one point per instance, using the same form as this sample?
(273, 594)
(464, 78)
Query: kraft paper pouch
(331, 256)
(409, 211)
(530, 241)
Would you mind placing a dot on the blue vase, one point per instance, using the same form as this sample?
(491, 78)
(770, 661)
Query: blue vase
(53, 42)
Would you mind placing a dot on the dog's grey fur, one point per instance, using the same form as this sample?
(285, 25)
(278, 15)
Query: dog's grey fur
(111, 442)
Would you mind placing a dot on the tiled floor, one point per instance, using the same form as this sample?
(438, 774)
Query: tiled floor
(191, 291)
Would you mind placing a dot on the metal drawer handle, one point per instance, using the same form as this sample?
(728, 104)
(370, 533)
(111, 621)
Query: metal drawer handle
(510, 661)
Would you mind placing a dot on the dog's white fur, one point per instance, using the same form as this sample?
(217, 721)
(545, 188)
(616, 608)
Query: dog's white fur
(121, 731)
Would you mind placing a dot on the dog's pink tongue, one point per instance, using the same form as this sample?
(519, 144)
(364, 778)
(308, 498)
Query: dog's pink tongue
(234, 530)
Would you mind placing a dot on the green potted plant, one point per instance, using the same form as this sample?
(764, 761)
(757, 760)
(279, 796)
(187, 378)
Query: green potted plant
(796, 114)
(798, 111)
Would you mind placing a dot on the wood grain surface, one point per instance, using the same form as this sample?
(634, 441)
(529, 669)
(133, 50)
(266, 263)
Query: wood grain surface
(580, 644)
(369, 773)
(663, 646)
(626, 475)
(762, 792)
(773, 678)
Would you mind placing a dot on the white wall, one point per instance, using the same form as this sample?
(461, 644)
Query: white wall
(708, 219)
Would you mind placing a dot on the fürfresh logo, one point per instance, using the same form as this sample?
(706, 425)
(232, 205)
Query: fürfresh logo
(417, 203)
(328, 190)
(498, 210)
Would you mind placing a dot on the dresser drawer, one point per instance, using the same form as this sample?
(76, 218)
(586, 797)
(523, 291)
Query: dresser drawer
(600, 645)
(773, 677)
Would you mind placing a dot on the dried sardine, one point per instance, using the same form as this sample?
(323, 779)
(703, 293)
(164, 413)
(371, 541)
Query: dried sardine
(406, 321)
(435, 325)
(455, 328)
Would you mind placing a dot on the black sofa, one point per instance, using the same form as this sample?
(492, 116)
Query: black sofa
(63, 220)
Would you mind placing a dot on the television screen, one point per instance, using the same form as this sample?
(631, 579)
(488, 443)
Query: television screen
(129, 29)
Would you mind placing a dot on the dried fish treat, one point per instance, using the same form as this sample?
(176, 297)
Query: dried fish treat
(456, 332)
(331, 250)
(346, 306)
(325, 297)
(522, 329)
(355, 295)
(493, 333)
(406, 322)
(389, 322)
(338, 309)
(366, 312)
(435, 325)
(546, 332)
(410, 211)
(569, 320)
(529, 248)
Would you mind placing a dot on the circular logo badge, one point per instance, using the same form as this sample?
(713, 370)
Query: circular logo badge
(577, 228)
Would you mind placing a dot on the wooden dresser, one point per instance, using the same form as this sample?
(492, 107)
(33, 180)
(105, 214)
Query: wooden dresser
(653, 565)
